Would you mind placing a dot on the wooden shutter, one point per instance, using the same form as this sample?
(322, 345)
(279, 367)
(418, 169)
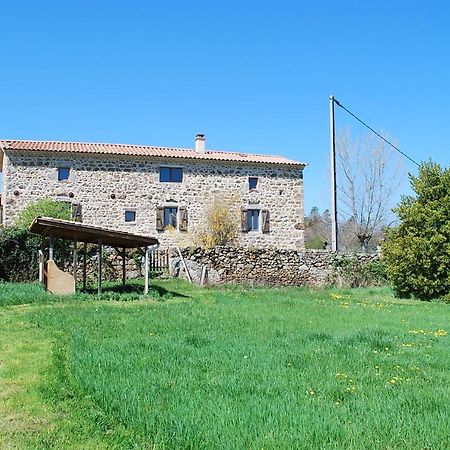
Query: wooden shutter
(160, 218)
(265, 221)
(76, 212)
(183, 218)
(244, 220)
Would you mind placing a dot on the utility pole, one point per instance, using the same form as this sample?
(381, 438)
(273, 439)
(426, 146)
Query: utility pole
(334, 226)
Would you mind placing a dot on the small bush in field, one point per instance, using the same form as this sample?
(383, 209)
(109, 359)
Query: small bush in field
(352, 272)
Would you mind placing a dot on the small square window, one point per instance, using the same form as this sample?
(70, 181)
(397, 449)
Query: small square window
(252, 183)
(63, 173)
(171, 174)
(164, 174)
(170, 217)
(253, 219)
(130, 216)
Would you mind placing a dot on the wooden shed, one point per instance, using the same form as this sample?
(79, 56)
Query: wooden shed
(58, 281)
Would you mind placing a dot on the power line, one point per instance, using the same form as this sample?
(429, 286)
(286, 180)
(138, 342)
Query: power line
(373, 131)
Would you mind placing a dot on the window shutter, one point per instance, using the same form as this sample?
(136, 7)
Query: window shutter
(183, 218)
(160, 218)
(265, 221)
(76, 212)
(244, 221)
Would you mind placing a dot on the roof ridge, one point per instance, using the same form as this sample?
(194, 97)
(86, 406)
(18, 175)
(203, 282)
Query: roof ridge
(111, 148)
(165, 147)
(93, 143)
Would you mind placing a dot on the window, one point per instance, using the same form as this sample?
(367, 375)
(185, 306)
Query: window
(252, 183)
(171, 174)
(170, 216)
(253, 219)
(63, 173)
(130, 216)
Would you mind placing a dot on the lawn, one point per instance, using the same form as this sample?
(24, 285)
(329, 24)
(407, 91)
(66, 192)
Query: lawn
(225, 368)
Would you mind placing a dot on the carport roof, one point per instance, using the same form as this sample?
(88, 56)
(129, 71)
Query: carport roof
(80, 232)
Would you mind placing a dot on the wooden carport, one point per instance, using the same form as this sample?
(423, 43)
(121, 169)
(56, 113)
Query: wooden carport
(80, 232)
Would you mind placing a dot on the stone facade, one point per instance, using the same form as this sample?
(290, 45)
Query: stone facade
(272, 267)
(108, 185)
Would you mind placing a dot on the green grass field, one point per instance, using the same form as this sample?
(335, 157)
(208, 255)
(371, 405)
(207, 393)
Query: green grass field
(226, 368)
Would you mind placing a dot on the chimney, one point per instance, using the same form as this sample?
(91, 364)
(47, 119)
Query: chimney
(200, 143)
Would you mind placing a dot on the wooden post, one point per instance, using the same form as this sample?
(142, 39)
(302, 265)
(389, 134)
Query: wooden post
(99, 262)
(147, 264)
(184, 265)
(84, 265)
(124, 268)
(41, 266)
(75, 263)
(50, 247)
(203, 276)
(334, 224)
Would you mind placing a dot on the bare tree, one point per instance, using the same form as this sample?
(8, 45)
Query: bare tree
(369, 175)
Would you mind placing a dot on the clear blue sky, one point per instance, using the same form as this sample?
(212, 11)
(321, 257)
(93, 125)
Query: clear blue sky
(254, 76)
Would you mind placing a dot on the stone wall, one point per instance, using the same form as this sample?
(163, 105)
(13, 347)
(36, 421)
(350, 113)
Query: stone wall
(106, 186)
(260, 266)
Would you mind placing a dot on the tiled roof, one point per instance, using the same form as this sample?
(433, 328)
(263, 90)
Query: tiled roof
(140, 150)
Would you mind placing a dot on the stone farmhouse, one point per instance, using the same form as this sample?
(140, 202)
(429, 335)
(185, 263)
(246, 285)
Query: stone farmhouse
(158, 191)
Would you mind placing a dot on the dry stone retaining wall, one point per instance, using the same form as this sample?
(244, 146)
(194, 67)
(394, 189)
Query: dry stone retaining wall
(260, 266)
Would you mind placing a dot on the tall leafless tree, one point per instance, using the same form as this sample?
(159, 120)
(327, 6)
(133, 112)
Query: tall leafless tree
(369, 173)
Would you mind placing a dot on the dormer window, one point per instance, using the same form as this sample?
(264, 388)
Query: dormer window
(170, 174)
(63, 173)
(252, 183)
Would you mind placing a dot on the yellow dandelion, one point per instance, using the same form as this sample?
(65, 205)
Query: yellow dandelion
(440, 333)
(418, 332)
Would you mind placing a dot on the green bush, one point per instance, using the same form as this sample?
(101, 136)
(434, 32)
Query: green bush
(353, 272)
(315, 242)
(19, 254)
(43, 208)
(417, 252)
(19, 259)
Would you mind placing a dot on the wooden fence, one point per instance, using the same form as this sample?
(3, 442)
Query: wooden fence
(159, 261)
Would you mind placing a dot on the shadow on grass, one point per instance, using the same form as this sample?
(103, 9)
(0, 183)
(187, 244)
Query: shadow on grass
(131, 291)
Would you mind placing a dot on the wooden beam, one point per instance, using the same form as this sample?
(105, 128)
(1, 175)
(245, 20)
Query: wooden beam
(41, 266)
(184, 265)
(84, 265)
(203, 276)
(124, 268)
(50, 246)
(99, 266)
(147, 264)
(75, 263)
